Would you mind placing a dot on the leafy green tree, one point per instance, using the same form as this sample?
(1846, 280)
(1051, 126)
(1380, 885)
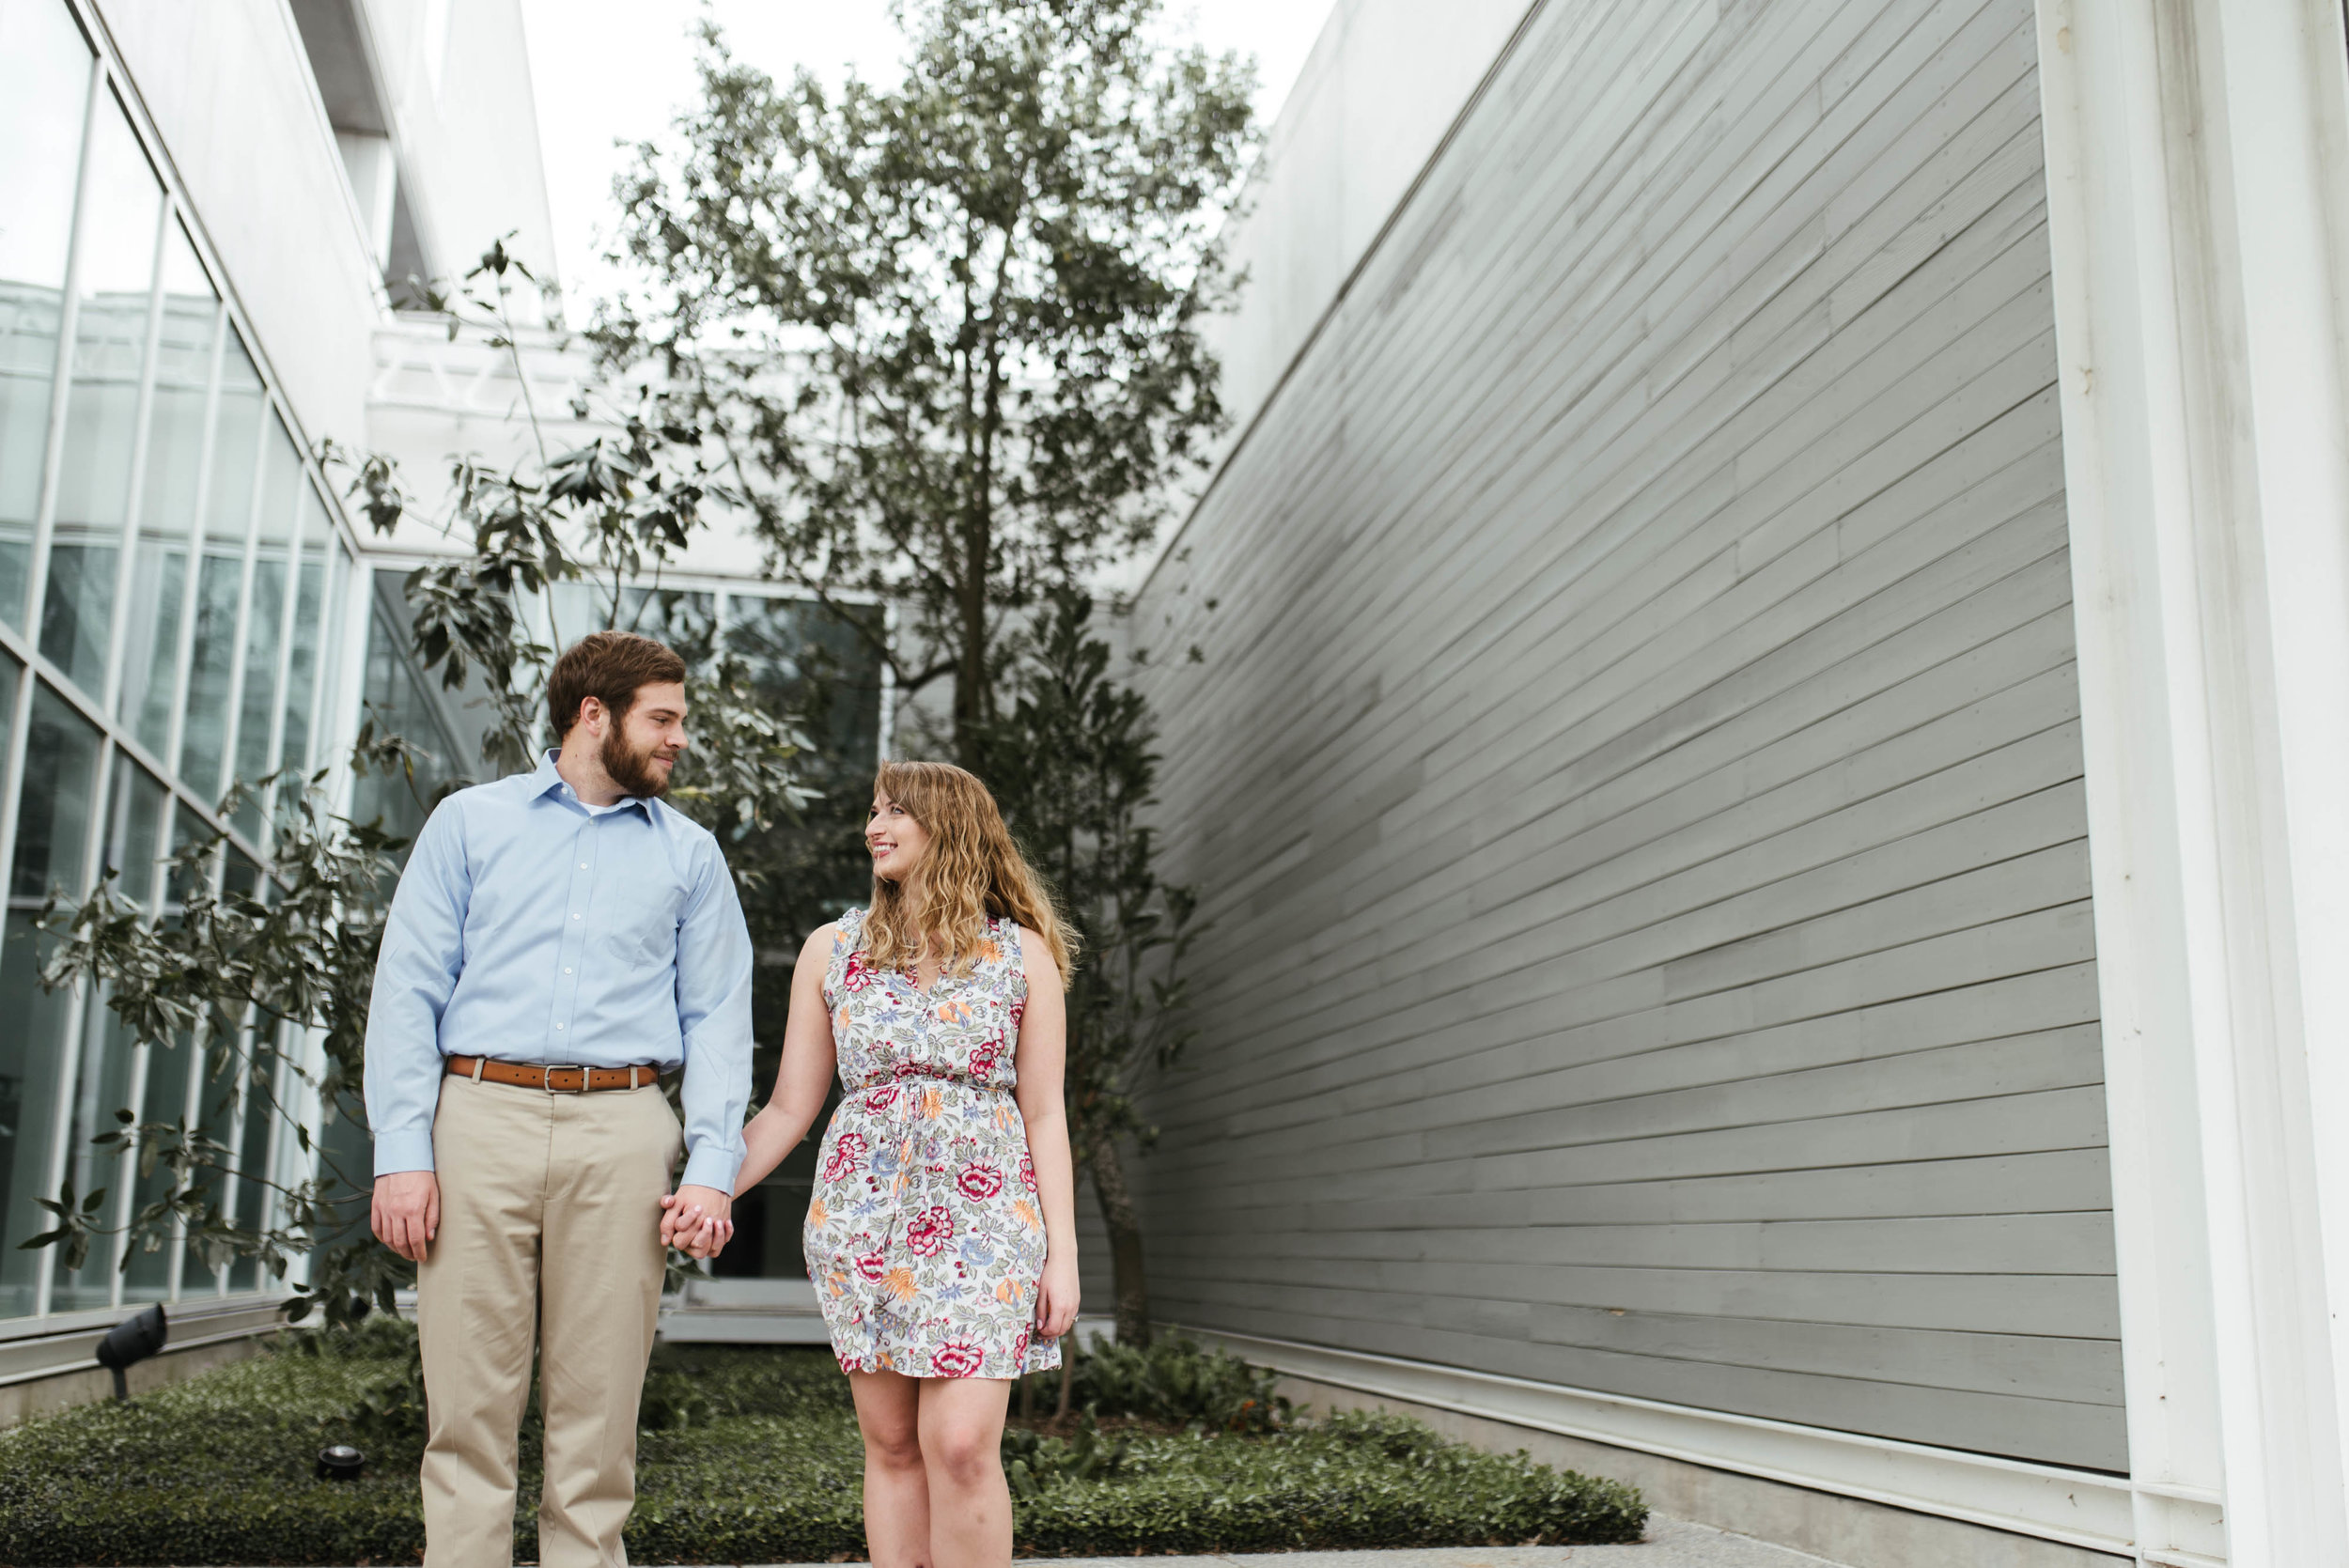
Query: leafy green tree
(1072, 765)
(247, 971)
(945, 333)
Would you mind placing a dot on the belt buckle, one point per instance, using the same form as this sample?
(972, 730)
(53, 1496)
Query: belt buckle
(547, 1083)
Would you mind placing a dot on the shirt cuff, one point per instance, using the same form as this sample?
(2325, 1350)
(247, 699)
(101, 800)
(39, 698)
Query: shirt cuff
(396, 1152)
(713, 1167)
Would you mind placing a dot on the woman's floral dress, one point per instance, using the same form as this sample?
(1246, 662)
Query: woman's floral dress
(924, 1238)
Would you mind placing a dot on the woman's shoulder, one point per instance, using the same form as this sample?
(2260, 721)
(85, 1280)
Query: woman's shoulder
(827, 940)
(1030, 953)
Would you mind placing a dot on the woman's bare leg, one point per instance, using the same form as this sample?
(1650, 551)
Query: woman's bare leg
(962, 1455)
(896, 1491)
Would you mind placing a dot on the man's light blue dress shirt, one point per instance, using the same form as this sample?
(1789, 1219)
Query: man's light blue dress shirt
(530, 927)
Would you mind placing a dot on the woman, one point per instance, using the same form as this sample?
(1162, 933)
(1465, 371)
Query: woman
(941, 1237)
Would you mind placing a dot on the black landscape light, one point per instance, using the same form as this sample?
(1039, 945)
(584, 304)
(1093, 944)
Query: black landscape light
(340, 1461)
(132, 1339)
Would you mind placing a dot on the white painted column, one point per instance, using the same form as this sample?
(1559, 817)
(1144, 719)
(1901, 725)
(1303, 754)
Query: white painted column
(2198, 170)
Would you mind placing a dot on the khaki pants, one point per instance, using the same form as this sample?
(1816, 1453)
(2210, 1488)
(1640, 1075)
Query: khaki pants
(549, 1234)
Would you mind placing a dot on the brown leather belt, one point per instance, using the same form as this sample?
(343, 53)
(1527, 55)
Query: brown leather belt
(554, 1081)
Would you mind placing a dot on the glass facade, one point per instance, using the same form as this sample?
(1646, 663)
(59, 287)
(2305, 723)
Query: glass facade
(168, 564)
(176, 594)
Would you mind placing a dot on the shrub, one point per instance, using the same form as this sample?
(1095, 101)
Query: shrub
(1032, 1462)
(1177, 1380)
(753, 1456)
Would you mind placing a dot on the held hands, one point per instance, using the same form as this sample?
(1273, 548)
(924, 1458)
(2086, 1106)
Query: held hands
(697, 1220)
(1056, 1296)
(406, 1212)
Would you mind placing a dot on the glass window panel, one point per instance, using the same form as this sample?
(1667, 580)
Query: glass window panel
(302, 662)
(11, 673)
(109, 1058)
(152, 656)
(211, 665)
(132, 846)
(186, 829)
(685, 620)
(253, 1168)
(164, 1099)
(239, 409)
(807, 661)
(136, 803)
(576, 609)
(238, 874)
(235, 446)
(282, 485)
(165, 1094)
(44, 96)
(54, 812)
(396, 699)
(264, 626)
(333, 640)
(175, 452)
(122, 205)
(52, 834)
(216, 1100)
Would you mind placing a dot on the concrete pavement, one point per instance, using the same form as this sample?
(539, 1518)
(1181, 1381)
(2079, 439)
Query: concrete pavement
(1669, 1544)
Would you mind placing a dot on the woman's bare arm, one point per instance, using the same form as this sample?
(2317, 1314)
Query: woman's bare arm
(805, 1077)
(1042, 1059)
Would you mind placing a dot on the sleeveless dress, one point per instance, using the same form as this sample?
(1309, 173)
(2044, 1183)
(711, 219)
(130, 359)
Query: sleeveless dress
(924, 1238)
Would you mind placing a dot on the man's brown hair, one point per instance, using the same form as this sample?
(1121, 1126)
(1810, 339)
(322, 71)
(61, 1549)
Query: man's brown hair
(609, 666)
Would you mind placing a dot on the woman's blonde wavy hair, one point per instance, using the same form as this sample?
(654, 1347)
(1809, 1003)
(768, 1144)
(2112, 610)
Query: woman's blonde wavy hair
(971, 870)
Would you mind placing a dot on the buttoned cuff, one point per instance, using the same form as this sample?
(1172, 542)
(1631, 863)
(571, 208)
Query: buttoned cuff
(396, 1152)
(713, 1167)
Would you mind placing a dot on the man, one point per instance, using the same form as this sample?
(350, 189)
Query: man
(559, 940)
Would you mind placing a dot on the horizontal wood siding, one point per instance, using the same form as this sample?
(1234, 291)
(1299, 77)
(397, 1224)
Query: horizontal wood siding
(1632, 764)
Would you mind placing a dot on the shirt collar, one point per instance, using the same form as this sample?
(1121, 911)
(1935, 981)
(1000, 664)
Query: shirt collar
(545, 781)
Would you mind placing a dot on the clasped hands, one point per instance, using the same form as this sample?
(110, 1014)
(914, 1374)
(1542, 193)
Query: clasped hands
(698, 1222)
(406, 1215)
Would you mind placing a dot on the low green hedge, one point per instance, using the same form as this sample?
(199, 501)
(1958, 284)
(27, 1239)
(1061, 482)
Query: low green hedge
(755, 1459)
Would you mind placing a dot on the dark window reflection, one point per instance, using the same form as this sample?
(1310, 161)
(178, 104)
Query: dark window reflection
(52, 843)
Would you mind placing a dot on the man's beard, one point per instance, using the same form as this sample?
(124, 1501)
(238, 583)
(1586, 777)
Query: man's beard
(633, 769)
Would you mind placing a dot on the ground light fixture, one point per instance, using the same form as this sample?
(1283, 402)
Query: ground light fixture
(340, 1461)
(132, 1341)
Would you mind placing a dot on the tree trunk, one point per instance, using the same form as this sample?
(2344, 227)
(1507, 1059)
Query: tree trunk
(971, 695)
(1117, 1215)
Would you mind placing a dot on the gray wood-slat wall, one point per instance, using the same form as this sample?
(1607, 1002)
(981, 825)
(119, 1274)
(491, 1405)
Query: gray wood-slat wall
(1633, 773)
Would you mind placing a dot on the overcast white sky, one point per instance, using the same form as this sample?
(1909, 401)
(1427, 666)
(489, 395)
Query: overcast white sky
(614, 70)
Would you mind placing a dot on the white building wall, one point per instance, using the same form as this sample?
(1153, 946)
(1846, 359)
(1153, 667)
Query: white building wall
(1649, 966)
(1375, 99)
(239, 121)
(456, 80)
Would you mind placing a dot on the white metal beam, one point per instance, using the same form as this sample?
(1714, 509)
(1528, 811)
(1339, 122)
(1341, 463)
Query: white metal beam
(2198, 180)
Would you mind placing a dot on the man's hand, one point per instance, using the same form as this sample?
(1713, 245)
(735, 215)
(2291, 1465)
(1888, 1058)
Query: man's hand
(406, 1213)
(697, 1221)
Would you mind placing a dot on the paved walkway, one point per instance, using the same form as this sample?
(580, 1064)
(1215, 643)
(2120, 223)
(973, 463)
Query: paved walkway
(1669, 1544)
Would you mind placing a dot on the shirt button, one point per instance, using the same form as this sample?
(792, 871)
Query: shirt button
(583, 866)
(558, 1026)
(567, 969)
(574, 917)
